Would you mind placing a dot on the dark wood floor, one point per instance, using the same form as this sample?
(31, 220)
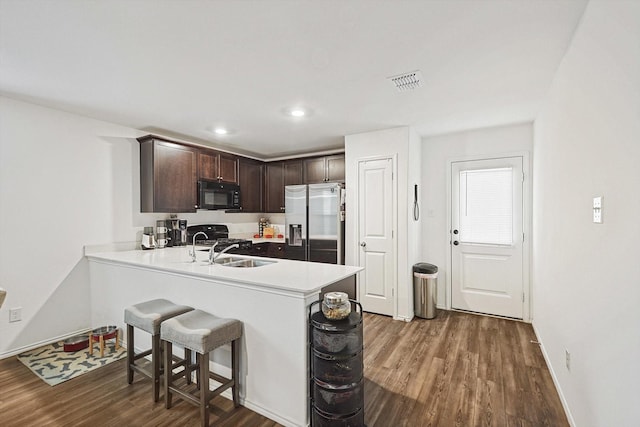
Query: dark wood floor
(102, 398)
(455, 370)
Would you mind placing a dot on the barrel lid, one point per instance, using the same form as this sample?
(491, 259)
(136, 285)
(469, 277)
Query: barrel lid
(425, 268)
(336, 298)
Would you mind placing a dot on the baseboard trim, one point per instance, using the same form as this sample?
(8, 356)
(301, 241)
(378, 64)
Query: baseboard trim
(267, 413)
(565, 405)
(16, 351)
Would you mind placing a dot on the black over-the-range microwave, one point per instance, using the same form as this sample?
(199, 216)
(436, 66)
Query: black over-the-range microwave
(218, 195)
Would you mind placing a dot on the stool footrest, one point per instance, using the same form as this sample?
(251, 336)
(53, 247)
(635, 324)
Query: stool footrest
(141, 355)
(141, 370)
(187, 397)
(195, 400)
(219, 378)
(220, 389)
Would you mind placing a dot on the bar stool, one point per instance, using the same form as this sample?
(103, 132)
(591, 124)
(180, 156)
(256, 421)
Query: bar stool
(148, 316)
(201, 332)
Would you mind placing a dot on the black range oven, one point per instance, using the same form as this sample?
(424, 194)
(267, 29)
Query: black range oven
(217, 233)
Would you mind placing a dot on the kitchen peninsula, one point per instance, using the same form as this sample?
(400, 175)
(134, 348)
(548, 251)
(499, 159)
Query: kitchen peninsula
(271, 300)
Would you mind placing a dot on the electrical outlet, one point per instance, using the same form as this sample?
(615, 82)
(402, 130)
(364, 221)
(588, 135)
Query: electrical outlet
(15, 314)
(597, 210)
(567, 357)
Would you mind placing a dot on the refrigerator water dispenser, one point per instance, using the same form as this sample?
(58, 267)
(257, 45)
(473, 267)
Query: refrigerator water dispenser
(295, 234)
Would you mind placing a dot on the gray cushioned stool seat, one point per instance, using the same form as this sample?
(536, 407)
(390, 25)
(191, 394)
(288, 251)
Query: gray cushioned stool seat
(149, 315)
(200, 331)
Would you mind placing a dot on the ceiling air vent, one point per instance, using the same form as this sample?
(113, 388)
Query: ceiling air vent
(407, 81)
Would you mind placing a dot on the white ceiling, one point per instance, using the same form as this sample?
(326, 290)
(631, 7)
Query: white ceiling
(183, 67)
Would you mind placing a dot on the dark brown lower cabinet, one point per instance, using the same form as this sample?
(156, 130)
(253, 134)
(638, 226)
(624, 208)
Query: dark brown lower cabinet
(265, 249)
(277, 250)
(260, 249)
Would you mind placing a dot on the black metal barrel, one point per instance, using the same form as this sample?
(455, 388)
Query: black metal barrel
(336, 366)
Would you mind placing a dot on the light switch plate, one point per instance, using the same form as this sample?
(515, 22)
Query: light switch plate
(597, 210)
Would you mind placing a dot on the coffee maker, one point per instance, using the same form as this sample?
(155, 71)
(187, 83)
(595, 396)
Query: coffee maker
(176, 232)
(182, 226)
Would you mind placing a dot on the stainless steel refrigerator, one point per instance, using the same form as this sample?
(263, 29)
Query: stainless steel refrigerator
(314, 222)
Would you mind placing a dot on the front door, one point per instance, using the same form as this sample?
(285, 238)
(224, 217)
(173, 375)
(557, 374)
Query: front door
(487, 236)
(375, 233)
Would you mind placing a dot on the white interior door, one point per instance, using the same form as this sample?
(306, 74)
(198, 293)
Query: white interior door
(375, 233)
(487, 236)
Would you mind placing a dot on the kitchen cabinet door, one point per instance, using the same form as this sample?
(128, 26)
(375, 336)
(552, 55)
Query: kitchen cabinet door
(335, 168)
(324, 169)
(228, 167)
(274, 187)
(168, 173)
(292, 173)
(278, 175)
(314, 170)
(276, 250)
(260, 249)
(207, 166)
(250, 179)
(216, 166)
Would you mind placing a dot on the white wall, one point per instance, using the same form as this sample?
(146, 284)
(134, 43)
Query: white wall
(402, 142)
(586, 276)
(57, 193)
(65, 181)
(437, 151)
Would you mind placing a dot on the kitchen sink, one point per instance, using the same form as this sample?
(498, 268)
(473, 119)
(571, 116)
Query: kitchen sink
(224, 261)
(242, 262)
(248, 263)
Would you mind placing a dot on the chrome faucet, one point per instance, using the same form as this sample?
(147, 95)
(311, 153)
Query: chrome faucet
(193, 252)
(213, 256)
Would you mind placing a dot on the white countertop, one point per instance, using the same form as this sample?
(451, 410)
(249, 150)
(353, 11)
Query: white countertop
(294, 276)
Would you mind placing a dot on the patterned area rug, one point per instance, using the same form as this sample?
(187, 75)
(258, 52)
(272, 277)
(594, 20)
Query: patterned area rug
(54, 366)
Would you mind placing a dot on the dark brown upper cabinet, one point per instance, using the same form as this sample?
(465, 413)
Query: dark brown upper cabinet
(278, 175)
(217, 166)
(292, 172)
(168, 174)
(324, 169)
(251, 181)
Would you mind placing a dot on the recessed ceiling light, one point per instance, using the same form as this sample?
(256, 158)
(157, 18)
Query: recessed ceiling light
(220, 131)
(297, 113)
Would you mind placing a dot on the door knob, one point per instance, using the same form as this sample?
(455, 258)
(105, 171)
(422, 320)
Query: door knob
(363, 244)
(455, 242)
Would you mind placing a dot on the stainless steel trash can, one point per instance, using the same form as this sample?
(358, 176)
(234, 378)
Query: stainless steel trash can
(425, 280)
